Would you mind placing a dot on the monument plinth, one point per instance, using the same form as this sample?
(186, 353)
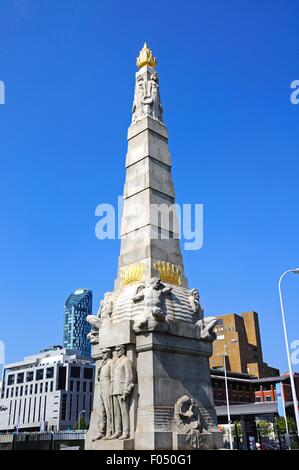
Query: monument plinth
(151, 341)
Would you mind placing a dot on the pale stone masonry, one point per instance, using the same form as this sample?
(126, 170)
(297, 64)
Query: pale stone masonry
(151, 321)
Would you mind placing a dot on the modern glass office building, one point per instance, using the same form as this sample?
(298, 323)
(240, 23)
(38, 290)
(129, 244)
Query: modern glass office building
(76, 308)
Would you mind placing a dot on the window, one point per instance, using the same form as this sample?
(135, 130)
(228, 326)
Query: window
(84, 387)
(46, 387)
(62, 378)
(78, 386)
(35, 391)
(7, 391)
(90, 387)
(88, 373)
(21, 390)
(75, 372)
(39, 374)
(50, 373)
(20, 378)
(258, 399)
(17, 391)
(10, 380)
(268, 398)
(63, 407)
(31, 389)
(71, 385)
(51, 386)
(41, 388)
(29, 376)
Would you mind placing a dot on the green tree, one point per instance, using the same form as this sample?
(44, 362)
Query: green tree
(264, 428)
(281, 425)
(237, 428)
(81, 425)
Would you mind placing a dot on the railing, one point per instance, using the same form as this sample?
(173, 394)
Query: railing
(43, 436)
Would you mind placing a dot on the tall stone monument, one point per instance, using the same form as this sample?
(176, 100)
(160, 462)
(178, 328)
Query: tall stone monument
(151, 341)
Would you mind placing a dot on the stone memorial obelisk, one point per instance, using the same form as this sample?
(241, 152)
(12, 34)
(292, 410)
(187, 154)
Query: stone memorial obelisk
(151, 341)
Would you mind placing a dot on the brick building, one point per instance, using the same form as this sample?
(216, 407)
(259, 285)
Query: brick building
(244, 356)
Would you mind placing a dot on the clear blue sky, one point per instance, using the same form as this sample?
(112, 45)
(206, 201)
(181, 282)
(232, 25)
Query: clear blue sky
(225, 70)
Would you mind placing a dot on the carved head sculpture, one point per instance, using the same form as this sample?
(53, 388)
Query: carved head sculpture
(195, 294)
(120, 350)
(139, 81)
(106, 353)
(155, 78)
(155, 282)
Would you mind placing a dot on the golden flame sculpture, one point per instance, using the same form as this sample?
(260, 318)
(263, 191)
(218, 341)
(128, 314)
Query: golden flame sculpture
(168, 272)
(133, 273)
(146, 57)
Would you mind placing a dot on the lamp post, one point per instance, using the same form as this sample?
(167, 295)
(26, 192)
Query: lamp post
(295, 401)
(226, 393)
(80, 413)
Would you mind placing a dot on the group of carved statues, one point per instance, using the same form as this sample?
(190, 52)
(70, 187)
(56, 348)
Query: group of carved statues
(147, 98)
(153, 293)
(115, 377)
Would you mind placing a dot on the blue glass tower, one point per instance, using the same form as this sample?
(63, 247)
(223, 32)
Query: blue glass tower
(76, 308)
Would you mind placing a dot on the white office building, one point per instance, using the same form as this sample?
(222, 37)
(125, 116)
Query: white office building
(47, 391)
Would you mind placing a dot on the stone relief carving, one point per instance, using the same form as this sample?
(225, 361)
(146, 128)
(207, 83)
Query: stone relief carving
(153, 293)
(105, 401)
(187, 420)
(205, 324)
(102, 317)
(147, 98)
(115, 387)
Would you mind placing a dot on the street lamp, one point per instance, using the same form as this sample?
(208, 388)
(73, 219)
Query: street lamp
(295, 401)
(226, 393)
(80, 413)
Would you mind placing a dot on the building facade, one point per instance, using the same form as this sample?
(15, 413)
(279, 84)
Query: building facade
(244, 356)
(251, 399)
(47, 391)
(76, 308)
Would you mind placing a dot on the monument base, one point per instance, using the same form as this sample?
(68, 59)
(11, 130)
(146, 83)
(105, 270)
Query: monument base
(113, 444)
(182, 442)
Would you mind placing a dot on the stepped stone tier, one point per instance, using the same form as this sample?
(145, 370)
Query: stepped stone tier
(150, 338)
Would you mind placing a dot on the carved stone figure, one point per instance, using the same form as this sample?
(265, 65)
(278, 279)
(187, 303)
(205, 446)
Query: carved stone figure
(147, 98)
(138, 108)
(105, 401)
(122, 385)
(206, 324)
(195, 305)
(152, 292)
(103, 316)
(154, 93)
(187, 420)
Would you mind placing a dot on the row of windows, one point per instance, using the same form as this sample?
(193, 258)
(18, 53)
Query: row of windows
(87, 374)
(28, 389)
(28, 410)
(39, 375)
(67, 413)
(259, 399)
(232, 386)
(75, 385)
